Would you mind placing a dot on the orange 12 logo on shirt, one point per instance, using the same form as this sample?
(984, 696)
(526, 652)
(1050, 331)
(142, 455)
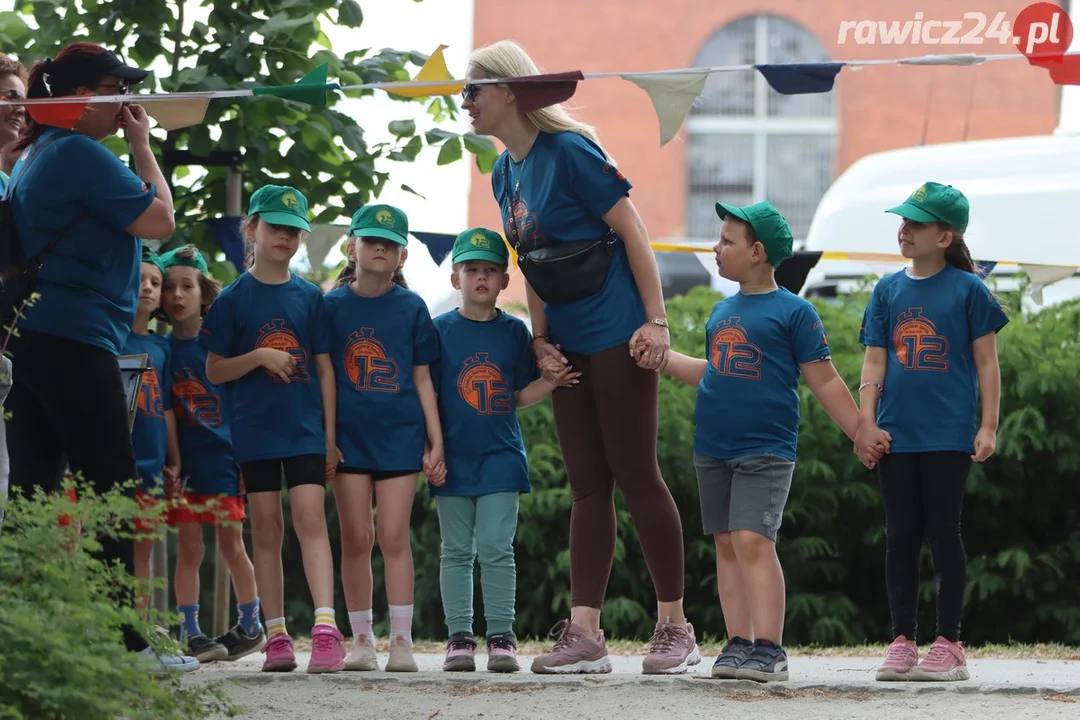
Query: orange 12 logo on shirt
(150, 401)
(731, 352)
(367, 365)
(917, 343)
(482, 386)
(276, 336)
(194, 403)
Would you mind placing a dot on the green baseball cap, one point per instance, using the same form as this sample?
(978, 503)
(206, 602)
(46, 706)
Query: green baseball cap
(380, 221)
(173, 257)
(480, 244)
(769, 225)
(149, 256)
(280, 205)
(934, 202)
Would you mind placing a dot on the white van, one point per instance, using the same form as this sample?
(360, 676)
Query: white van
(1023, 192)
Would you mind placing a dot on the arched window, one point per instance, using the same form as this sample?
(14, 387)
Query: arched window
(745, 141)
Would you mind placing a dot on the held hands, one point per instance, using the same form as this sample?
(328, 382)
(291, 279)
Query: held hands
(649, 346)
(277, 362)
(434, 467)
(171, 473)
(553, 365)
(136, 124)
(871, 444)
(333, 459)
(985, 443)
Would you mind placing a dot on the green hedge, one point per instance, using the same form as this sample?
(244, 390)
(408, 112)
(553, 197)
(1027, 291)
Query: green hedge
(1021, 516)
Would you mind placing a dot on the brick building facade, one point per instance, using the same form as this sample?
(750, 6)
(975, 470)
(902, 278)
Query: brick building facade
(743, 141)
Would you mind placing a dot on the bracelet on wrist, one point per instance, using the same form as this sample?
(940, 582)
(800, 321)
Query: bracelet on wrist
(545, 338)
(880, 388)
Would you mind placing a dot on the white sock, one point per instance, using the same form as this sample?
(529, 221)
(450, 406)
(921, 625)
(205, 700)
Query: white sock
(401, 623)
(360, 622)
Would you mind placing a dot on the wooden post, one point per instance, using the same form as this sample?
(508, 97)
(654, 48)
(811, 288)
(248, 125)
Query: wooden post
(234, 188)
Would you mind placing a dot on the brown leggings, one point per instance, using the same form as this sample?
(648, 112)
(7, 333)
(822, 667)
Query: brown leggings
(607, 429)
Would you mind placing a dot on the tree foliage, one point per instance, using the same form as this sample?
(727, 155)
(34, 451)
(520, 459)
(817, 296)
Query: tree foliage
(244, 44)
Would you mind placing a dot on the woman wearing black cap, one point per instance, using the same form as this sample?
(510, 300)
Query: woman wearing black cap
(67, 402)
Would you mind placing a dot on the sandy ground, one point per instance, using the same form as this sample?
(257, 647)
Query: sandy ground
(820, 688)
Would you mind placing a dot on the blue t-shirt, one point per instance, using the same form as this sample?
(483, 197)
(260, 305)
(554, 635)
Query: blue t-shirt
(271, 419)
(567, 185)
(748, 400)
(202, 422)
(89, 284)
(927, 326)
(481, 366)
(149, 434)
(375, 343)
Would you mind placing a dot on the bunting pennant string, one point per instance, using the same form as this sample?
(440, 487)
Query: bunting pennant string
(669, 90)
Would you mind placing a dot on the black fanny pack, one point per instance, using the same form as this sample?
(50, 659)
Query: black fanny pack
(562, 272)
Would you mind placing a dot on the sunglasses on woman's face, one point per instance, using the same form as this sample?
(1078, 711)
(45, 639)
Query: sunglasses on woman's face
(113, 88)
(469, 92)
(12, 95)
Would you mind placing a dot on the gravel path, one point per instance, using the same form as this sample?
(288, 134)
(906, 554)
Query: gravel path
(820, 689)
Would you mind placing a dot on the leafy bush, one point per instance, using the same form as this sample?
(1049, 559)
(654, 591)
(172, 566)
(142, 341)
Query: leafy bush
(62, 654)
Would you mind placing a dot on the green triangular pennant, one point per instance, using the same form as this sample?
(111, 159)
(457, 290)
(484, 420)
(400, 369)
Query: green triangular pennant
(310, 89)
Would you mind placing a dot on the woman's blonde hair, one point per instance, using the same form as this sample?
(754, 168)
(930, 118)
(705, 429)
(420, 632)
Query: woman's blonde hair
(506, 59)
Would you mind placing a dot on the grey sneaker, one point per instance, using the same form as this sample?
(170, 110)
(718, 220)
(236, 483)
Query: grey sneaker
(731, 657)
(768, 662)
(672, 651)
(165, 663)
(573, 652)
(401, 657)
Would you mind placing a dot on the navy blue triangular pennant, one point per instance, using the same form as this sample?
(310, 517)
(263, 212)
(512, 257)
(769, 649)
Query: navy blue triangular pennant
(800, 78)
(438, 244)
(982, 269)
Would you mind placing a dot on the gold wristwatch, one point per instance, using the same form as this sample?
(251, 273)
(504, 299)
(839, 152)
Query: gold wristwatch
(662, 322)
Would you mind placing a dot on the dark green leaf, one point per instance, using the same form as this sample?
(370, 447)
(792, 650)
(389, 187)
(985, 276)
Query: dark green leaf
(402, 128)
(438, 135)
(408, 189)
(349, 14)
(450, 152)
(413, 148)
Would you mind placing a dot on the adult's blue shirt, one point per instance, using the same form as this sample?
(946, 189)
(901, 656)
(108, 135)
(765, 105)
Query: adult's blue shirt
(202, 422)
(375, 344)
(149, 434)
(481, 366)
(567, 185)
(89, 284)
(748, 399)
(928, 327)
(271, 419)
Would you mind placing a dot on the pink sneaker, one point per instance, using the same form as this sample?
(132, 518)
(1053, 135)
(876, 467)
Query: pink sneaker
(502, 653)
(672, 651)
(946, 662)
(280, 655)
(574, 652)
(327, 650)
(902, 656)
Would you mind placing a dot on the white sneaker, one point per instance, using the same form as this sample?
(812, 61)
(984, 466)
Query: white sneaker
(362, 657)
(165, 662)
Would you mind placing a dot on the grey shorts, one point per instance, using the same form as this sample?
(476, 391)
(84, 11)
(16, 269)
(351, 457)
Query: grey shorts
(747, 493)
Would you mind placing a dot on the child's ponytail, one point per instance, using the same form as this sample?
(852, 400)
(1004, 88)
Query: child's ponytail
(399, 278)
(347, 274)
(958, 255)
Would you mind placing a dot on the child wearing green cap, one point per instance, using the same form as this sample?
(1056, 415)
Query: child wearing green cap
(757, 343)
(485, 372)
(153, 435)
(382, 343)
(266, 338)
(212, 489)
(930, 332)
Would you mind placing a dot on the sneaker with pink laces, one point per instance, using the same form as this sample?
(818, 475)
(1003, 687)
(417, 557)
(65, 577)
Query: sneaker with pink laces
(573, 652)
(672, 651)
(902, 656)
(946, 662)
(327, 650)
(280, 655)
